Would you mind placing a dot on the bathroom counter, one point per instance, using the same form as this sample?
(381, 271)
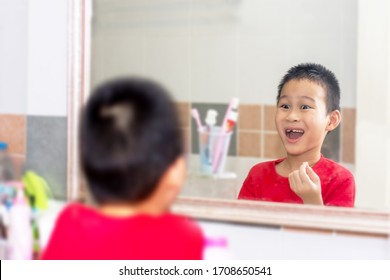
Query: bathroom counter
(223, 186)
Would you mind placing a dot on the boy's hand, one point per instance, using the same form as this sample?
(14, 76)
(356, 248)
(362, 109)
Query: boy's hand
(306, 184)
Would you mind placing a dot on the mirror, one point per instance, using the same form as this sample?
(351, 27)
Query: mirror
(207, 51)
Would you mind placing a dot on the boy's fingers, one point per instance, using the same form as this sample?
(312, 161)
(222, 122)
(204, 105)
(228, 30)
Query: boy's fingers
(295, 181)
(312, 175)
(302, 172)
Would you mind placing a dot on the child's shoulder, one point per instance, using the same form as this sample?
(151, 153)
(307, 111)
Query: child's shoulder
(74, 211)
(75, 207)
(180, 222)
(334, 168)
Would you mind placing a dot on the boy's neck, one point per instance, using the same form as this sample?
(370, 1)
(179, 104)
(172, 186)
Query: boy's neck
(126, 210)
(292, 163)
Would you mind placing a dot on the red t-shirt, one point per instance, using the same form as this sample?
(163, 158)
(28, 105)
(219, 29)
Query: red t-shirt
(264, 183)
(82, 232)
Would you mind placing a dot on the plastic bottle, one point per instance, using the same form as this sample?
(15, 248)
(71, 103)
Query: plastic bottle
(20, 230)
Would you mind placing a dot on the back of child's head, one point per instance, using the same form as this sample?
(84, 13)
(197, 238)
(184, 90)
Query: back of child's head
(129, 137)
(317, 74)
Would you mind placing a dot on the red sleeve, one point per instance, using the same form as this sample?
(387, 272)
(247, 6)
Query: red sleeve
(185, 240)
(197, 242)
(344, 192)
(57, 246)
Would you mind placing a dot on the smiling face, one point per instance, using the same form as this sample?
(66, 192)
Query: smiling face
(301, 118)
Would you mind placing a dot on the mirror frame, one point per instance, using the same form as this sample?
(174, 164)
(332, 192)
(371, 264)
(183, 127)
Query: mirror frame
(335, 219)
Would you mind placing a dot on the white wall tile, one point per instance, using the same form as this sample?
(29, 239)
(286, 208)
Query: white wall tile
(47, 57)
(13, 56)
(117, 54)
(315, 17)
(244, 48)
(265, 16)
(261, 70)
(347, 75)
(168, 62)
(323, 49)
(214, 67)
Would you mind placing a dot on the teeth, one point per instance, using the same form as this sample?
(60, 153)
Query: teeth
(294, 130)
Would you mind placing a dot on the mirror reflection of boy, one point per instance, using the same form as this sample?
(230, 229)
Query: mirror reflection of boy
(307, 110)
(132, 154)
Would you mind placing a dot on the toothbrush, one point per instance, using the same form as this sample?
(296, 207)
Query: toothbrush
(233, 106)
(195, 115)
(211, 119)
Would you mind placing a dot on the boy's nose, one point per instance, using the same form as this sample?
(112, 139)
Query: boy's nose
(293, 116)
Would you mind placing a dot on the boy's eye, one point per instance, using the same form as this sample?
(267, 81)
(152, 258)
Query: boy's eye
(305, 107)
(284, 106)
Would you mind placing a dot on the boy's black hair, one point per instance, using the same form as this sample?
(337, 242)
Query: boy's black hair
(318, 74)
(129, 136)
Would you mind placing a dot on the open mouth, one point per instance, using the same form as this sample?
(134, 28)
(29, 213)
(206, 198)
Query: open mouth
(294, 133)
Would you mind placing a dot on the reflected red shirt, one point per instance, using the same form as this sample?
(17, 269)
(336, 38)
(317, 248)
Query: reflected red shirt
(264, 183)
(82, 232)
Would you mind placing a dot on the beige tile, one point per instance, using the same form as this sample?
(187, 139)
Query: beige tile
(273, 147)
(250, 117)
(269, 117)
(183, 109)
(13, 131)
(249, 144)
(348, 126)
(18, 163)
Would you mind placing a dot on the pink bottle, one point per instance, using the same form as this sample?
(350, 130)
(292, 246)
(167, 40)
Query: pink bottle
(20, 231)
(217, 249)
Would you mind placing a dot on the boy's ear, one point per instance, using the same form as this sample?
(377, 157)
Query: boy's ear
(175, 175)
(334, 120)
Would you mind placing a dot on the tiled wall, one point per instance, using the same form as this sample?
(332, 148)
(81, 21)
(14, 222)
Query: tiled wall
(255, 134)
(46, 142)
(348, 127)
(38, 144)
(13, 132)
(228, 48)
(33, 87)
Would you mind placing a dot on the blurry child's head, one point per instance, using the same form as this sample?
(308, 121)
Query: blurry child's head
(130, 142)
(307, 108)
(318, 74)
